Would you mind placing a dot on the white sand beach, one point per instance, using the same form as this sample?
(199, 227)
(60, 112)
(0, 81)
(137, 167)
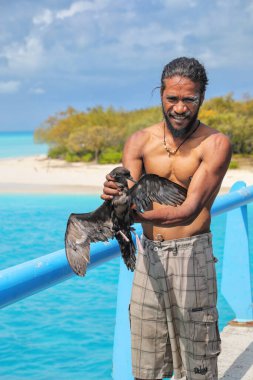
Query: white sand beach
(38, 174)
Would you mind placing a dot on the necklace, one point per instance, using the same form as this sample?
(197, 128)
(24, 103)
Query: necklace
(173, 152)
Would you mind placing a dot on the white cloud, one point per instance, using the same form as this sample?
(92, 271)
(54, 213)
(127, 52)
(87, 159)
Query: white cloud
(47, 16)
(84, 36)
(77, 7)
(24, 56)
(9, 87)
(44, 18)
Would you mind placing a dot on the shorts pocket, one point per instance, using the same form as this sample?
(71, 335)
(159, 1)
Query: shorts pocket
(200, 273)
(204, 337)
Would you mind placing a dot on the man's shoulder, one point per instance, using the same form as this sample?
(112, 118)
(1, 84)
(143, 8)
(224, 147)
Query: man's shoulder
(212, 134)
(136, 143)
(146, 133)
(214, 138)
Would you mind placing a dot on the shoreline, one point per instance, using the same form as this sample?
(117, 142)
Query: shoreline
(30, 189)
(41, 175)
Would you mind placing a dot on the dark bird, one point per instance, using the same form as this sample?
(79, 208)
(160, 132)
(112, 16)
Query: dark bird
(115, 217)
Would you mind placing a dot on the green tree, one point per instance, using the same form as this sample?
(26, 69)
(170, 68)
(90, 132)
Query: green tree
(75, 135)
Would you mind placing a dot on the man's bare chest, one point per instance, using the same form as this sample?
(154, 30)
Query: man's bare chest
(179, 168)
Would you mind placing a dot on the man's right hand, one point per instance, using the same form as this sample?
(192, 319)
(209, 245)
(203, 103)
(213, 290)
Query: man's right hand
(110, 189)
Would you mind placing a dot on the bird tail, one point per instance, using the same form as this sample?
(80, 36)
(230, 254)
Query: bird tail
(127, 248)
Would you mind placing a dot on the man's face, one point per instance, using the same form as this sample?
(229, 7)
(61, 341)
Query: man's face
(181, 100)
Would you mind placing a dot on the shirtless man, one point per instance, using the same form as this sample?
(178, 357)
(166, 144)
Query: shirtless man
(173, 305)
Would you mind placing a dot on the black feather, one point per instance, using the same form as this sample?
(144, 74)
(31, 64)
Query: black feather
(153, 188)
(114, 218)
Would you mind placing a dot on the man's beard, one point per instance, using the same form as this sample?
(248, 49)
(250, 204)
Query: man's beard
(180, 132)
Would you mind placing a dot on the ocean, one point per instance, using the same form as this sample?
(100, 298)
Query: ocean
(19, 144)
(66, 331)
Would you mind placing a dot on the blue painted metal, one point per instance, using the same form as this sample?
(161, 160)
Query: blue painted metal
(33, 276)
(25, 279)
(237, 197)
(236, 279)
(121, 347)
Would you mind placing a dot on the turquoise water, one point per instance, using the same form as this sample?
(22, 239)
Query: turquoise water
(19, 144)
(66, 331)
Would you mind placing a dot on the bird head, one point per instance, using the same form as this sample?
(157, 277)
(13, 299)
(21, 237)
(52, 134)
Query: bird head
(121, 175)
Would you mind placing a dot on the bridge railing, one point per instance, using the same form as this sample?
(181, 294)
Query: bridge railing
(33, 276)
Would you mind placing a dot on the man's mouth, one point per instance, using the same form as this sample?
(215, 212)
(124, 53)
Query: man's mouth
(179, 117)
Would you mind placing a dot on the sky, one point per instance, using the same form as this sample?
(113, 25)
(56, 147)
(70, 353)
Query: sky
(60, 53)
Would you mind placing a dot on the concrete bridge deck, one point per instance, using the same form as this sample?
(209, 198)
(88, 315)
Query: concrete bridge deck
(236, 359)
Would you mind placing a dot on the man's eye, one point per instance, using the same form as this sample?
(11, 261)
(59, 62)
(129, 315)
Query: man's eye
(189, 100)
(172, 99)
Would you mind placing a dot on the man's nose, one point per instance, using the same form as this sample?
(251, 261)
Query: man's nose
(180, 107)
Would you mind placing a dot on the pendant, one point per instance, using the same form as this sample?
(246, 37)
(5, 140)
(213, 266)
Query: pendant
(169, 151)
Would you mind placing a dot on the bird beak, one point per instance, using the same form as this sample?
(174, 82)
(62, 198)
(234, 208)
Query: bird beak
(130, 178)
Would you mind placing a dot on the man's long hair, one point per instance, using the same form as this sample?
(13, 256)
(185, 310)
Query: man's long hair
(188, 68)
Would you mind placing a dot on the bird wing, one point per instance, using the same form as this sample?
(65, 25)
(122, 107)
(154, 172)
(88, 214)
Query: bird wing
(82, 229)
(153, 188)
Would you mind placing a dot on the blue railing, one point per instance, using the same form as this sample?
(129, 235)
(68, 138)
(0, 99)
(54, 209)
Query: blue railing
(23, 280)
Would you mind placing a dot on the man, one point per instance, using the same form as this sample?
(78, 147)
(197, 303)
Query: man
(173, 306)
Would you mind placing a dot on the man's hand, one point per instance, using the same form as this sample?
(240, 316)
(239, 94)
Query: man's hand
(110, 189)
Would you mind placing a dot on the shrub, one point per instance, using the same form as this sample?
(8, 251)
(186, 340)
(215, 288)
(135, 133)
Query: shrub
(57, 152)
(72, 157)
(87, 157)
(233, 165)
(110, 156)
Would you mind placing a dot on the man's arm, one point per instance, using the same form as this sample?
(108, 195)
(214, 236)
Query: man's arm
(132, 160)
(205, 182)
(132, 154)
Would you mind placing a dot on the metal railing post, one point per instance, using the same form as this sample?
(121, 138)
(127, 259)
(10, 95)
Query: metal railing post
(236, 279)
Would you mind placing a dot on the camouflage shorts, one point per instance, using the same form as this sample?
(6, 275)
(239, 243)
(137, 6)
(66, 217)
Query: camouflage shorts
(173, 311)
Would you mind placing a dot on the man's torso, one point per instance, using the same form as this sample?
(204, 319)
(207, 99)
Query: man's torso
(179, 168)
